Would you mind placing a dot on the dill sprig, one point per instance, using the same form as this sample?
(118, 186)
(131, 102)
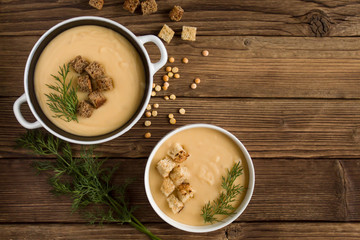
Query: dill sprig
(222, 205)
(84, 179)
(63, 102)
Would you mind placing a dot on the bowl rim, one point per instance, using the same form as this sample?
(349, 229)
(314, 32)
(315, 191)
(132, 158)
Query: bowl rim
(227, 220)
(141, 108)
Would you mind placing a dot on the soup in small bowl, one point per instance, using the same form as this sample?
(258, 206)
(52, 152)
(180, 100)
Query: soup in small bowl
(192, 171)
(110, 71)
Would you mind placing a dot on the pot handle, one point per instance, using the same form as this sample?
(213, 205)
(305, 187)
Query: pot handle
(20, 117)
(154, 67)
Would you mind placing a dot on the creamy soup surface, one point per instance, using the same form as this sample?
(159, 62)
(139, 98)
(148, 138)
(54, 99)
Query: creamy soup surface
(211, 154)
(121, 62)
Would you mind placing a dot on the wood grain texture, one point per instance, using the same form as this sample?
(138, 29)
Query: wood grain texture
(286, 190)
(238, 231)
(246, 67)
(211, 17)
(269, 128)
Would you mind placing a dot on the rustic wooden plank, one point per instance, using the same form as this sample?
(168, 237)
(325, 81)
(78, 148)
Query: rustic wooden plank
(286, 67)
(269, 128)
(248, 230)
(211, 17)
(285, 190)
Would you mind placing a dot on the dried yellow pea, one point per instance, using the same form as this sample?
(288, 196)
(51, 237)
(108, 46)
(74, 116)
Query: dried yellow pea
(147, 135)
(182, 111)
(147, 123)
(172, 120)
(171, 59)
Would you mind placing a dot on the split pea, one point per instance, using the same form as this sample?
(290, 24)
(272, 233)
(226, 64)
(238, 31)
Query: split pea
(168, 69)
(185, 60)
(171, 59)
(147, 135)
(175, 69)
(154, 113)
(205, 53)
(165, 78)
(148, 107)
(197, 80)
(166, 97)
(158, 88)
(172, 97)
(170, 74)
(172, 120)
(156, 105)
(193, 85)
(148, 114)
(153, 93)
(182, 111)
(147, 123)
(153, 86)
(176, 75)
(171, 115)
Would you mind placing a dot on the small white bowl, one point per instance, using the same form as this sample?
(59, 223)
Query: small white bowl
(215, 226)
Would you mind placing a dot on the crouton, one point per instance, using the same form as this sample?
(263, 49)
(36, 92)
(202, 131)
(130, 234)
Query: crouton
(104, 84)
(148, 7)
(185, 192)
(164, 166)
(175, 204)
(85, 109)
(188, 33)
(177, 153)
(98, 4)
(166, 33)
(131, 5)
(167, 187)
(79, 64)
(97, 99)
(176, 13)
(84, 83)
(179, 174)
(95, 70)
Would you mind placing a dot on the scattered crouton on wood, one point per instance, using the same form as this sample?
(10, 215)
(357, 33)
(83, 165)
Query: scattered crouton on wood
(188, 33)
(98, 4)
(131, 5)
(166, 33)
(176, 13)
(148, 7)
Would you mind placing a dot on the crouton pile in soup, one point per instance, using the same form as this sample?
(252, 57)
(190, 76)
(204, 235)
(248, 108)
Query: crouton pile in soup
(186, 171)
(119, 89)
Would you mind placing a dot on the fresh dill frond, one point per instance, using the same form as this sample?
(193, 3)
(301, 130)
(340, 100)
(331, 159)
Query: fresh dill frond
(84, 179)
(222, 205)
(63, 101)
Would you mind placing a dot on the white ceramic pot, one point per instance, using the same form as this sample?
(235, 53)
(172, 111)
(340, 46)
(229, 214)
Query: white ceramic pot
(30, 97)
(215, 226)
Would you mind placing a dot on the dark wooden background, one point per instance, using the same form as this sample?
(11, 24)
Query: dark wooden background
(283, 76)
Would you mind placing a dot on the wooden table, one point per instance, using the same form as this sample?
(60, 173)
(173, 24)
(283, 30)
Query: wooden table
(283, 76)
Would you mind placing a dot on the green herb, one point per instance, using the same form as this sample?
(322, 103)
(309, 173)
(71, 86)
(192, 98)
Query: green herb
(84, 179)
(222, 205)
(64, 101)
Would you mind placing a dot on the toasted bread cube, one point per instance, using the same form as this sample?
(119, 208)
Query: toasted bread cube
(166, 33)
(179, 174)
(185, 192)
(176, 13)
(84, 83)
(97, 99)
(167, 187)
(95, 70)
(188, 33)
(98, 4)
(131, 5)
(104, 84)
(79, 64)
(175, 204)
(177, 153)
(148, 7)
(85, 109)
(164, 166)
